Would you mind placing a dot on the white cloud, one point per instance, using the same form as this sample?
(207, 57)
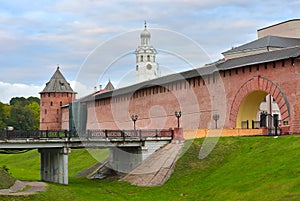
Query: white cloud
(9, 90)
(81, 89)
(37, 34)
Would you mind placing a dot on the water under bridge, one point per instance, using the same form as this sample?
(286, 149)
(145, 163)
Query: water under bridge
(128, 148)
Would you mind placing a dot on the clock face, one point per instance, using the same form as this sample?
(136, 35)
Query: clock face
(149, 67)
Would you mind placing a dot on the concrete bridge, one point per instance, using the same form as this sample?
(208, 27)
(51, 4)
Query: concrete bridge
(128, 148)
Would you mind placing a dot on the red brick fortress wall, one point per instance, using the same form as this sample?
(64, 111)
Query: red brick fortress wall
(200, 97)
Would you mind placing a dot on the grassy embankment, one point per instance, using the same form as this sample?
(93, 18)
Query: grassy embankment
(244, 168)
(6, 180)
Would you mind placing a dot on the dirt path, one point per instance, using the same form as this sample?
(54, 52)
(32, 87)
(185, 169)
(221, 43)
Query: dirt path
(157, 168)
(31, 187)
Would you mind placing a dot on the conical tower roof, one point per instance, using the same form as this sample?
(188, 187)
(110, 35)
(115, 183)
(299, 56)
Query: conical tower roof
(57, 83)
(109, 86)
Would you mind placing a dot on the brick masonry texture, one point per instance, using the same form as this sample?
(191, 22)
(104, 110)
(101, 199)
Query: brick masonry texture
(200, 97)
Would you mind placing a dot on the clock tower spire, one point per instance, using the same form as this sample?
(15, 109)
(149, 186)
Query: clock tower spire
(146, 66)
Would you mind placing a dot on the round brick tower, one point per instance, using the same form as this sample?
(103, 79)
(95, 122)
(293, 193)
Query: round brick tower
(56, 93)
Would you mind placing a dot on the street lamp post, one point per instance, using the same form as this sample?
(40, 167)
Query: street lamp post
(134, 118)
(216, 117)
(178, 115)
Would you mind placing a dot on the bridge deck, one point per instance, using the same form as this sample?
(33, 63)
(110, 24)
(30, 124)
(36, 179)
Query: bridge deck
(86, 139)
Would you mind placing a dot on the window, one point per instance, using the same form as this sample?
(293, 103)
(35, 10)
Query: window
(282, 64)
(48, 94)
(142, 58)
(60, 103)
(57, 111)
(266, 66)
(250, 69)
(148, 57)
(45, 111)
(137, 67)
(51, 103)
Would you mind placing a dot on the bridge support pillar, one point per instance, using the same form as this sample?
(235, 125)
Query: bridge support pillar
(125, 159)
(54, 165)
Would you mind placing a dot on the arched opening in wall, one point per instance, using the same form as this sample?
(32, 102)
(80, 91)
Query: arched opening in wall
(258, 109)
(248, 105)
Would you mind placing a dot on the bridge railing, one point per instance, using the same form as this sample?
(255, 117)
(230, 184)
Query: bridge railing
(17, 134)
(128, 133)
(37, 134)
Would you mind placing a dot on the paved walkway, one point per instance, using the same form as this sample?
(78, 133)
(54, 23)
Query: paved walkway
(17, 188)
(157, 168)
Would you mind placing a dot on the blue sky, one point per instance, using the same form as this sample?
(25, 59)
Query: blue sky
(35, 36)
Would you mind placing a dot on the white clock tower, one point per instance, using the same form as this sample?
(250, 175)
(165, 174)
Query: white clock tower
(146, 67)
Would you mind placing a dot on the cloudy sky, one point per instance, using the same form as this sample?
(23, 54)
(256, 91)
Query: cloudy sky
(78, 35)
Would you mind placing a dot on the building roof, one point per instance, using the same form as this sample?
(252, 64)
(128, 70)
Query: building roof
(57, 83)
(222, 65)
(109, 86)
(274, 25)
(266, 42)
(293, 52)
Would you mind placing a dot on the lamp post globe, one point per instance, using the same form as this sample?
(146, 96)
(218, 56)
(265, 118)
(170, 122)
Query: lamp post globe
(178, 115)
(134, 118)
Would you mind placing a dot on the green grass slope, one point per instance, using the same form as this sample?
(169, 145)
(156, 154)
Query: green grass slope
(6, 180)
(239, 168)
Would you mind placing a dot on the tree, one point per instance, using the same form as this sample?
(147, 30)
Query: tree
(32, 99)
(14, 100)
(22, 118)
(35, 108)
(4, 115)
(24, 114)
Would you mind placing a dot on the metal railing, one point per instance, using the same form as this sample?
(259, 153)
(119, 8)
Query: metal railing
(38, 134)
(255, 124)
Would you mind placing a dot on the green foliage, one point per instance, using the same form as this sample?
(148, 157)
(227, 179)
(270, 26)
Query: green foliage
(22, 113)
(5, 168)
(22, 117)
(32, 99)
(35, 108)
(24, 101)
(4, 115)
(15, 100)
(238, 168)
(6, 180)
